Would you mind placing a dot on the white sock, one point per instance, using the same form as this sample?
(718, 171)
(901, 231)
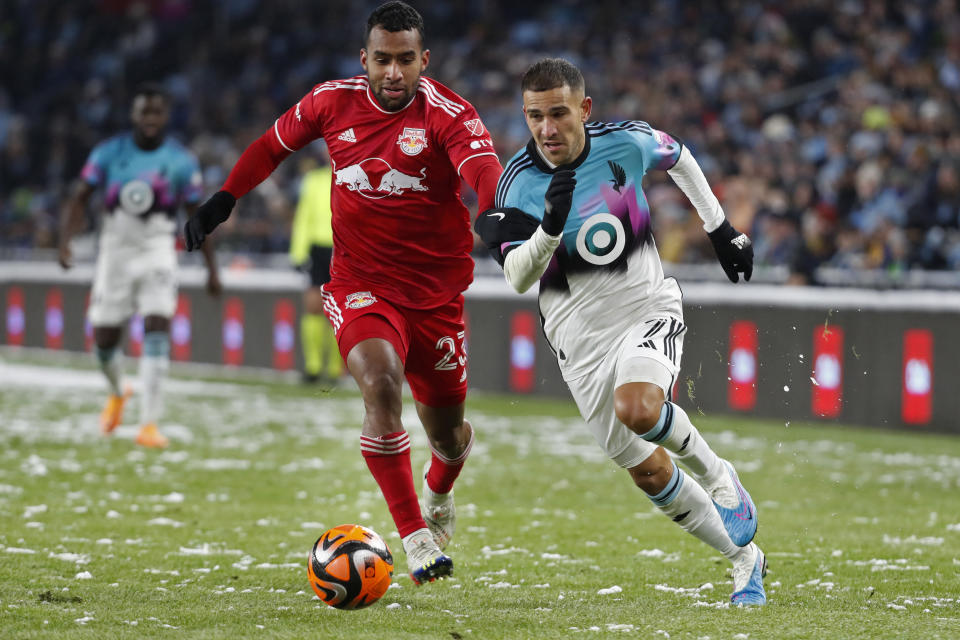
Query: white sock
(154, 364)
(685, 502)
(111, 363)
(675, 433)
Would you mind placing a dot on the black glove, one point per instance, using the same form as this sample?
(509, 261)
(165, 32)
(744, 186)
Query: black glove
(557, 201)
(208, 216)
(502, 229)
(734, 251)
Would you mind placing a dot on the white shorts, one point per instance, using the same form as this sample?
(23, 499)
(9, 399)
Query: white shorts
(650, 352)
(134, 279)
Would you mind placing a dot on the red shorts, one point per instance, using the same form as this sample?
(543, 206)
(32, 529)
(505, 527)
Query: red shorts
(430, 342)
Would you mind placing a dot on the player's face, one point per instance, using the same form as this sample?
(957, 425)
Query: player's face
(393, 62)
(555, 117)
(149, 115)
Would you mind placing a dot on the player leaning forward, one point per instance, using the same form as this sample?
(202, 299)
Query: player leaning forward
(399, 143)
(571, 214)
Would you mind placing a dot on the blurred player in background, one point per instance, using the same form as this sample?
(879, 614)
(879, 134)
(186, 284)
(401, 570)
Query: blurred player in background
(145, 177)
(311, 249)
(400, 144)
(571, 213)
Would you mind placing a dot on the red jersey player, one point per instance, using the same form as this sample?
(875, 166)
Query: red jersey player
(400, 144)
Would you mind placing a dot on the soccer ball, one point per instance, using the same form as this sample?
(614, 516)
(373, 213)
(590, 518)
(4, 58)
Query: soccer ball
(350, 567)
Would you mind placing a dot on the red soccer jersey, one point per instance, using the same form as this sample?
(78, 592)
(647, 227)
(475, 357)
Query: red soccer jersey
(399, 226)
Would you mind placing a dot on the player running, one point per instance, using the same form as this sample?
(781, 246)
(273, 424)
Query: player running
(145, 177)
(571, 214)
(400, 143)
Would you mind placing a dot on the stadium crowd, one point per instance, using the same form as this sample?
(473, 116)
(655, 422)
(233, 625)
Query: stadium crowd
(830, 129)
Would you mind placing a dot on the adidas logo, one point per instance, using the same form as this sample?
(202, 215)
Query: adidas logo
(740, 241)
(347, 136)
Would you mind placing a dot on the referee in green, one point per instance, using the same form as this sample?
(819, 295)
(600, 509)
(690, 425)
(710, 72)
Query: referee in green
(311, 248)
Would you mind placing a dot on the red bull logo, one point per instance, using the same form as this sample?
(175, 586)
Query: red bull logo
(374, 178)
(360, 299)
(412, 141)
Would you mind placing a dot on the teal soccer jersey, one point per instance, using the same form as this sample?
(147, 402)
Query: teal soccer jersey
(606, 271)
(137, 183)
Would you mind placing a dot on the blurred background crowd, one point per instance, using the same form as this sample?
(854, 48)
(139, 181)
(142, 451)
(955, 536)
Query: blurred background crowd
(830, 129)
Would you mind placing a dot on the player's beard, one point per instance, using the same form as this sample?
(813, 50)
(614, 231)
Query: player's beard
(395, 104)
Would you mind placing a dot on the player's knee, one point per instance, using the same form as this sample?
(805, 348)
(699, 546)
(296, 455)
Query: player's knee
(107, 337)
(653, 474)
(154, 324)
(381, 388)
(638, 411)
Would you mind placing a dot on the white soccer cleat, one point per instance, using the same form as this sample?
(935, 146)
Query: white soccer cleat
(749, 569)
(425, 560)
(735, 506)
(438, 512)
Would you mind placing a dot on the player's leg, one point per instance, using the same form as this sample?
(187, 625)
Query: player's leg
(373, 338)
(682, 499)
(648, 365)
(675, 494)
(437, 374)
(154, 367)
(451, 438)
(316, 334)
(110, 359)
(111, 304)
(311, 334)
(156, 298)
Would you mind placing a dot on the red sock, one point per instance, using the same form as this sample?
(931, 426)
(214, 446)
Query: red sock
(388, 459)
(444, 471)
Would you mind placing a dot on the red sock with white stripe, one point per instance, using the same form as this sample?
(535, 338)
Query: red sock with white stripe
(444, 471)
(388, 459)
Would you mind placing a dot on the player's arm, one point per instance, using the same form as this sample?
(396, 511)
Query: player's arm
(734, 249)
(520, 243)
(482, 173)
(71, 217)
(214, 287)
(290, 132)
(256, 163)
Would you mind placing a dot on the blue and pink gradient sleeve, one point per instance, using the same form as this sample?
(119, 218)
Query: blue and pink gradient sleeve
(94, 169)
(660, 151)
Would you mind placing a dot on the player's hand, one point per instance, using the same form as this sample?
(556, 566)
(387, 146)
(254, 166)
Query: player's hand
(557, 201)
(210, 214)
(65, 255)
(213, 283)
(734, 250)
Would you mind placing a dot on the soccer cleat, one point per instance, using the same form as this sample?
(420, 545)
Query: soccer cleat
(424, 559)
(748, 573)
(112, 414)
(151, 437)
(438, 512)
(741, 520)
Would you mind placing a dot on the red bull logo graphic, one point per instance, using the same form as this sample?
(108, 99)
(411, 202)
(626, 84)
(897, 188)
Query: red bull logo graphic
(374, 178)
(360, 299)
(412, 141)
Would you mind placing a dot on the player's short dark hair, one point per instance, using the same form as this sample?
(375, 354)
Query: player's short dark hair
(395, 16)
(151, 89)
(551, 73)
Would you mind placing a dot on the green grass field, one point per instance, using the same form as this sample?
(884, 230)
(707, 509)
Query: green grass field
(101, 539)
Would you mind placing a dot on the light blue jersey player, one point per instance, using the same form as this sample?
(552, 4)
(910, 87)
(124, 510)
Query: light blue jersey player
(570, 212)
(145, 178)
